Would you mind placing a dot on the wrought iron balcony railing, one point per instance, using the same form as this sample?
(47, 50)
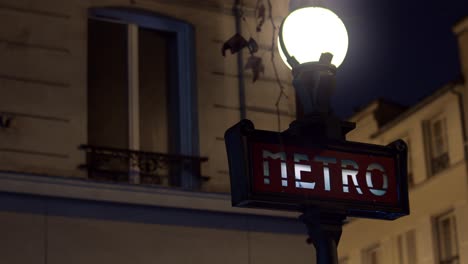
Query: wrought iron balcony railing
(123, 165)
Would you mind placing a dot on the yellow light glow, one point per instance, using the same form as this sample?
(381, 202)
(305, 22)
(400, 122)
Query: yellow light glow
(308, 32)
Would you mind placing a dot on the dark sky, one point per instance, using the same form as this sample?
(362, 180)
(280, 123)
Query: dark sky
(399, 50)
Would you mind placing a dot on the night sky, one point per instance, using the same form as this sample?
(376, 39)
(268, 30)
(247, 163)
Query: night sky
(399, 50)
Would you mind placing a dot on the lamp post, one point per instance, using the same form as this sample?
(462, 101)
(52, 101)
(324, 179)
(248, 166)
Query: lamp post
(313, 42)
(311, 167)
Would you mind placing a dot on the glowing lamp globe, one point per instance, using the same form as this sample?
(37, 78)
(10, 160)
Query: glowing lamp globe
(308, 32)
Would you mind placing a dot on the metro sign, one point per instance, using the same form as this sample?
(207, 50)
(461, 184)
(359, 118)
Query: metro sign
(325, 173)
(277, 171)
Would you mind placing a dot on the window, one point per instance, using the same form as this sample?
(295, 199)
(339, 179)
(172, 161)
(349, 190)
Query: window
(372, 255)
(436, 140)
(446, 236)
(135, 66)
(406, 245)
(142, 96)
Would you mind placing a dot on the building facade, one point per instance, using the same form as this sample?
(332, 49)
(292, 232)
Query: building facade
(436, 231)
(113, 114)
(112, 117)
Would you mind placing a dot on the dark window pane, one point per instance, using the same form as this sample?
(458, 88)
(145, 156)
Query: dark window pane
(153, 89)
(437, 129)
(446, 238)
(107, 84)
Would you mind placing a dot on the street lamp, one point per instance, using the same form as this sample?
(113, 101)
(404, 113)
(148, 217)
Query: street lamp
(313, 42)
(308, 32)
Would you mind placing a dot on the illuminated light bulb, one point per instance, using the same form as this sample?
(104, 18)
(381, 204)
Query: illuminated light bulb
(308, 32)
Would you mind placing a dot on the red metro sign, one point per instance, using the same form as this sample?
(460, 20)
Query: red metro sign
(323, 173)
(270, 170)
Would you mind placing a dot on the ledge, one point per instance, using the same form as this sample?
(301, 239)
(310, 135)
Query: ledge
(75, 188)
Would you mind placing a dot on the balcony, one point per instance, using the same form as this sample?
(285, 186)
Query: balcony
(140, 167)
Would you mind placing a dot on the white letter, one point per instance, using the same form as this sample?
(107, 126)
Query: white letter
(346, 173)
(266, 169)
(326, 170)
(298, 168)
(377, 192)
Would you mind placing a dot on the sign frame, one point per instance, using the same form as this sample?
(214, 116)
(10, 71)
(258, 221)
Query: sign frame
(239, 145)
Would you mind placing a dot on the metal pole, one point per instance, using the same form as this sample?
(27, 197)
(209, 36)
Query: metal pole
(324, 232)
(236, 9)
(314, 84)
